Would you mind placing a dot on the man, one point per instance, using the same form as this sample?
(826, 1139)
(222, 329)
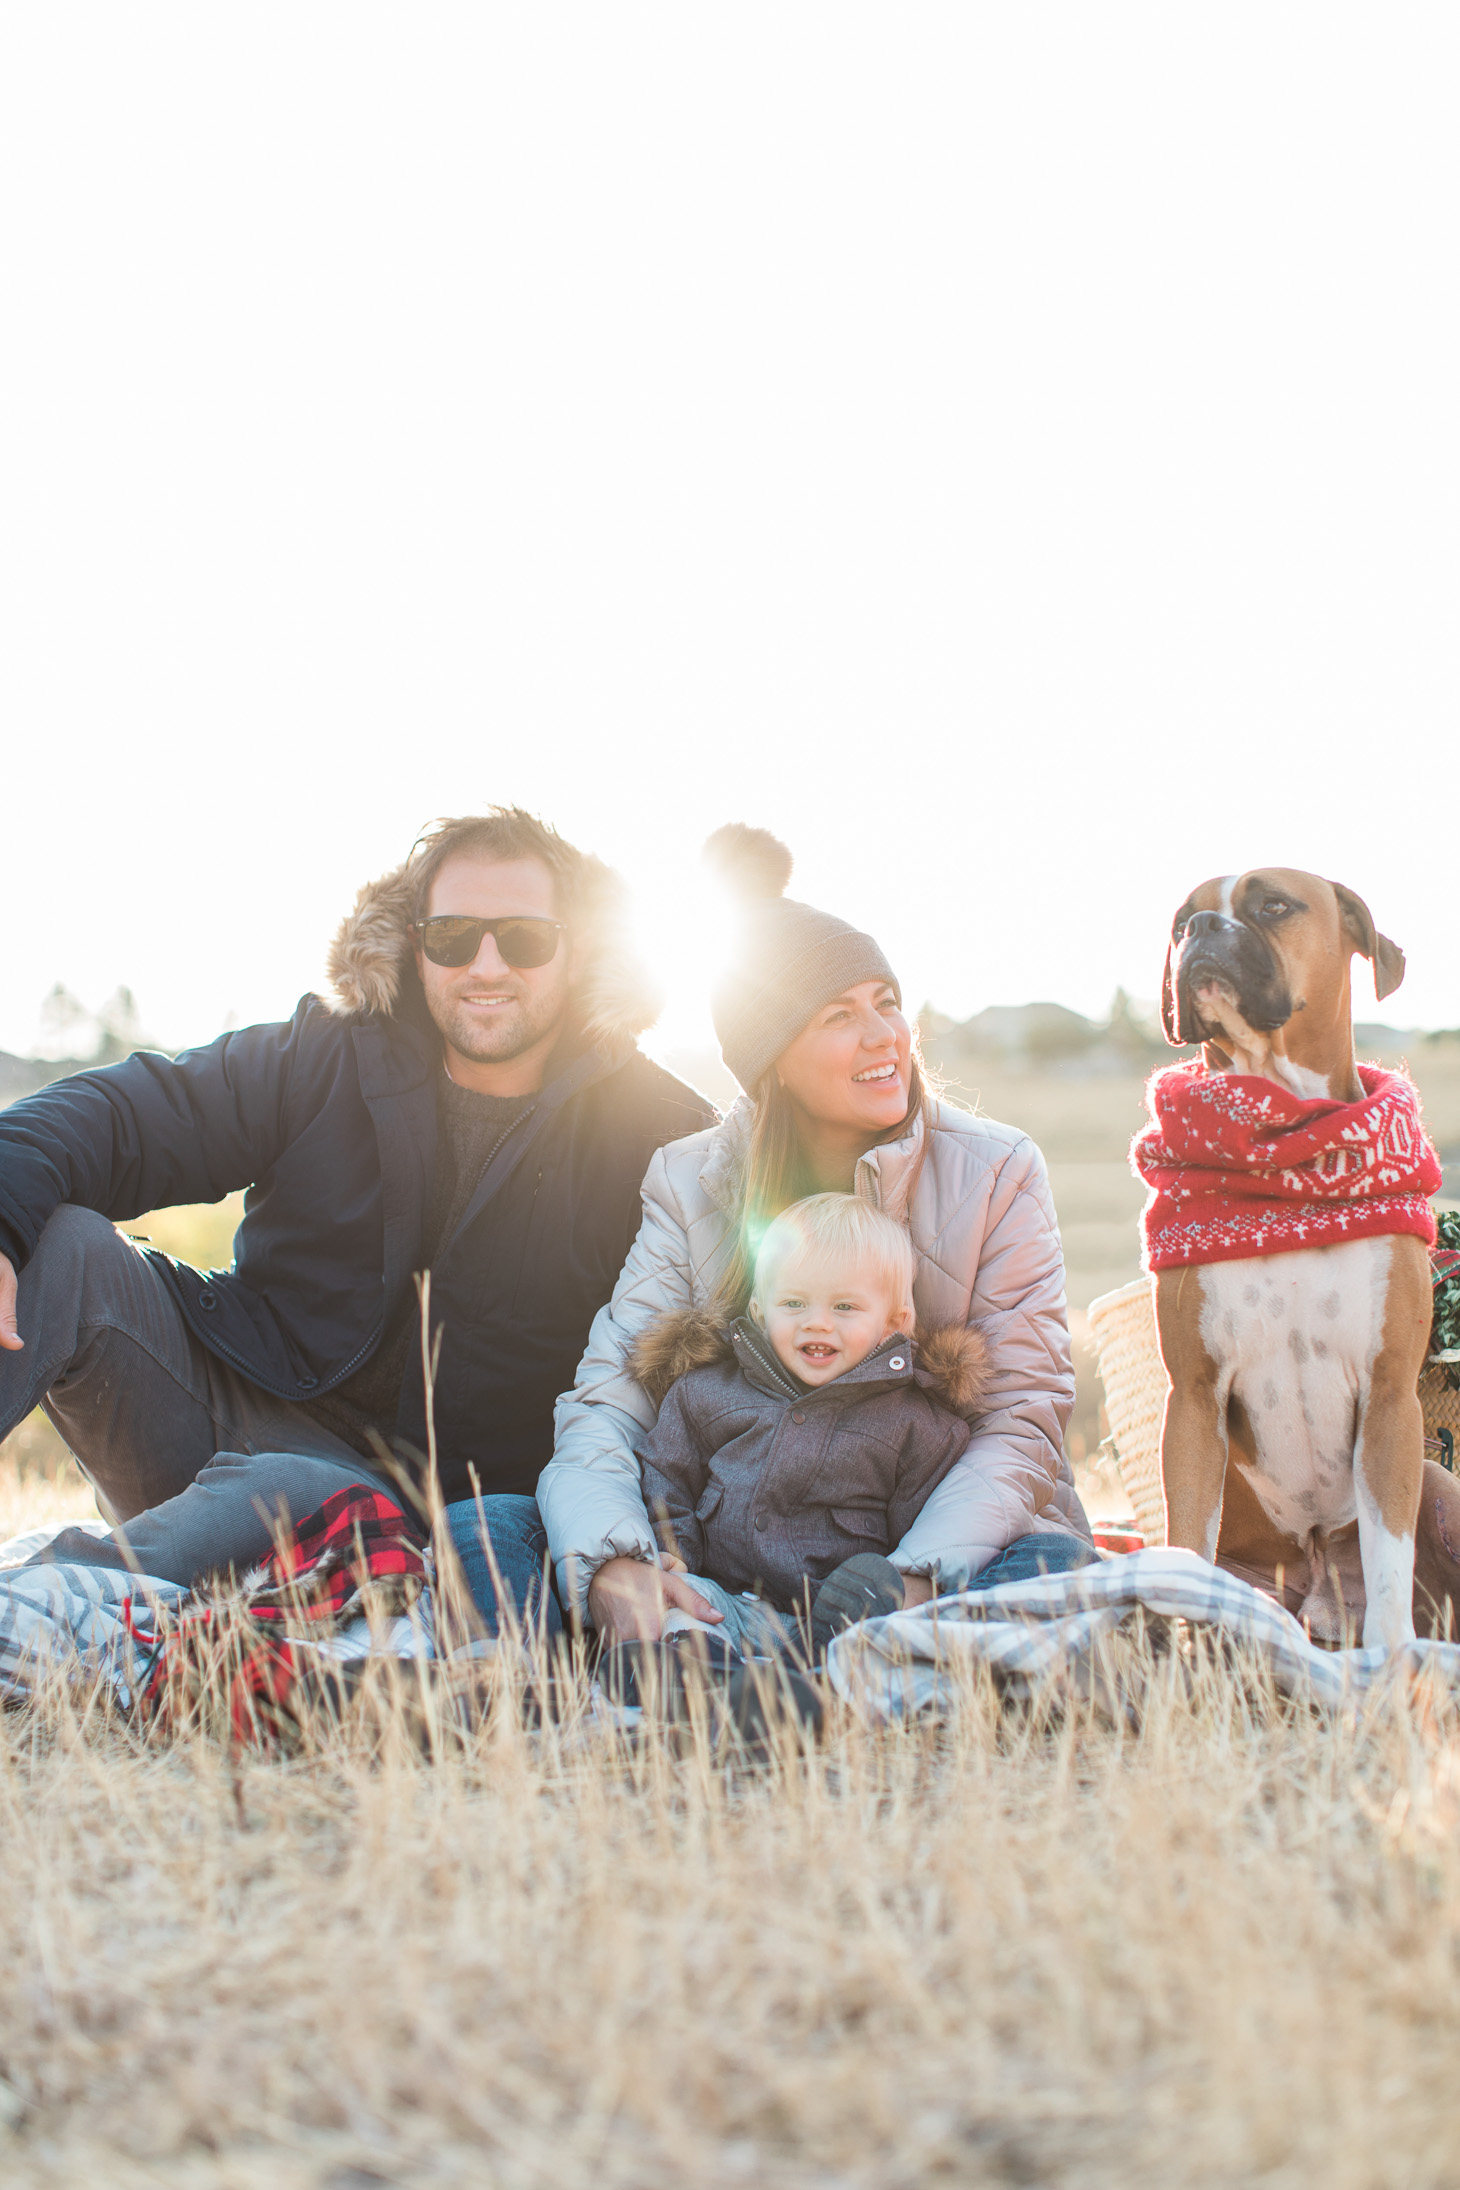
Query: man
(473, 1104)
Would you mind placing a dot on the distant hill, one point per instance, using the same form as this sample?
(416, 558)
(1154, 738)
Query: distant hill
(101, 1037)
(23, 1075)
(1049, 1038)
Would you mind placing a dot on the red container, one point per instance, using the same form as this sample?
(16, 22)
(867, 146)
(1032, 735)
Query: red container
(1117, 1536)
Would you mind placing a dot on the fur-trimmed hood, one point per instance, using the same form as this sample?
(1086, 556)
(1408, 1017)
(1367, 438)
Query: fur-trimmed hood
(371, 961)
(950, 1363)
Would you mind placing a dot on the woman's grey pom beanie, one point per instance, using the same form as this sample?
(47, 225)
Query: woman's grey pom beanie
(788, 959)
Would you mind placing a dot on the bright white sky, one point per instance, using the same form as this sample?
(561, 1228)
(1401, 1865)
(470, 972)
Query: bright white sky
(1014, 452)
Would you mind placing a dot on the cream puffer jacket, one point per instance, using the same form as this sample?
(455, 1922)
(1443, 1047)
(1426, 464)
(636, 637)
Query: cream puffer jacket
(988, 1253)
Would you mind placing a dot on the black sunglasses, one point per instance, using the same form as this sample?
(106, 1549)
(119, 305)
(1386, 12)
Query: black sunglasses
(453, 939)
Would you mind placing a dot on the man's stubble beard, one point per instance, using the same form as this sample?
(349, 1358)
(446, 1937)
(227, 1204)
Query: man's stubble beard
(506, 1033)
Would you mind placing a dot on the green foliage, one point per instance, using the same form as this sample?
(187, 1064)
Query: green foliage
(1445, 1331)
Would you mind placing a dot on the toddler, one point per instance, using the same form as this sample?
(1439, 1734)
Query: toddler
(794, 1450)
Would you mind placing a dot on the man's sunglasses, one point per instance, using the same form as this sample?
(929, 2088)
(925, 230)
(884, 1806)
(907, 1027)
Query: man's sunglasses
(451, 939)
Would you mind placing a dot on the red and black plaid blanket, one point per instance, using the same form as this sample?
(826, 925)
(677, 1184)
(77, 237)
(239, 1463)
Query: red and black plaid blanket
(359, 1551)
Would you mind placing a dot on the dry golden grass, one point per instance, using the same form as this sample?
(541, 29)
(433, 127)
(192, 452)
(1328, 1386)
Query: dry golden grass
(1014, 1949)
(1220, 1947)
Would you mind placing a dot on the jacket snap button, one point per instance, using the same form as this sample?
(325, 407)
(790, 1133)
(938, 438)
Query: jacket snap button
(897, 1362)
(798, 1417)
(208, 1302)
(307, 1383)
(760, 1520)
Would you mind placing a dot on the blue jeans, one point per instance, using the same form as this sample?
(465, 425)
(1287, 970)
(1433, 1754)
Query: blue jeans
(518, 1550)
(1044, 1551)
(754, 1629)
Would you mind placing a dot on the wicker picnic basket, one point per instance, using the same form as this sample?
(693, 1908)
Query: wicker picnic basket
(1123, 1325)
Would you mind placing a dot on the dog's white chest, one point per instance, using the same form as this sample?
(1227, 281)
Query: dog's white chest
(1294, 1338)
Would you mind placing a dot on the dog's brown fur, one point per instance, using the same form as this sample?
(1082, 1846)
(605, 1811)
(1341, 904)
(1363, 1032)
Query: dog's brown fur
(1211, 1504)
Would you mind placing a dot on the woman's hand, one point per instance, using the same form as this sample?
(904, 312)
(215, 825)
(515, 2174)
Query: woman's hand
(627, 1599)
(916, 1589)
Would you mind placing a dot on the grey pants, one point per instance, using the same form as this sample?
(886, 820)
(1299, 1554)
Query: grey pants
(196, 1463)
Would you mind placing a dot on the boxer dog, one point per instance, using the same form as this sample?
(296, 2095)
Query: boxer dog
(1292, 1414)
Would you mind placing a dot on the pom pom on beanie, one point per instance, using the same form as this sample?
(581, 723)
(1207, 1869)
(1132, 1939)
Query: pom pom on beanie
(788, 959)
(748, 862)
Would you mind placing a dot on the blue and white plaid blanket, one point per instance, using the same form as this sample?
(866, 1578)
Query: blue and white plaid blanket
(1030, 1634)
(76, 1616)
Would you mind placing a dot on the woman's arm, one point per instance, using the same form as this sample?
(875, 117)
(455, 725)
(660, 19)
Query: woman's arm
(592, 1506)
(1008, 1471)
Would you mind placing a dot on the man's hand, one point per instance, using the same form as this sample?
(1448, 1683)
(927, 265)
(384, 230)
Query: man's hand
(627, 1600)
(916, 1589)
(10, 1337)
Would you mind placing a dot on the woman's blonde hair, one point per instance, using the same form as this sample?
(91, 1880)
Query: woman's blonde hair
(827, 1226)
(774, 1174)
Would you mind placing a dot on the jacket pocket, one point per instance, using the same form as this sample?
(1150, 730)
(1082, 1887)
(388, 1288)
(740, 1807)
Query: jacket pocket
(868, 1523)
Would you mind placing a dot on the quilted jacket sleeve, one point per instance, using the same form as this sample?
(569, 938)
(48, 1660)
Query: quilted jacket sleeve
(1008, 1480)
(589, 1496)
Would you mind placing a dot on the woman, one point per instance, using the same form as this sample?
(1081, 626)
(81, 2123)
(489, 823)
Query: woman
(810, 1022)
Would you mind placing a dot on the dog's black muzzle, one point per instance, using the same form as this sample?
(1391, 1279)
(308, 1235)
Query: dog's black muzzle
(1216, 948)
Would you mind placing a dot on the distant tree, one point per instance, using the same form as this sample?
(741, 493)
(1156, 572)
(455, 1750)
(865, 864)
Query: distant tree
(121, 1028)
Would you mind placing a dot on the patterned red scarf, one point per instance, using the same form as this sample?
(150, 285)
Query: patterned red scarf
(1238, 1166)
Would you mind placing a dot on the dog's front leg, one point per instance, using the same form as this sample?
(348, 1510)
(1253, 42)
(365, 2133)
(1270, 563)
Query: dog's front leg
(1388, 1467)
(1194, 1431)
(1389, 1450)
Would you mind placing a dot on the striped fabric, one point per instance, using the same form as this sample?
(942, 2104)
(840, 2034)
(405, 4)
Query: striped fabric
(81, 1617)
(1030, 1634)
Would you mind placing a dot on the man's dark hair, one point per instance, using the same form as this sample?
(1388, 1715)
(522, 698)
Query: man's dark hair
(502, 832)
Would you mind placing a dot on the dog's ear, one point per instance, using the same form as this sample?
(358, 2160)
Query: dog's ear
(1387, 957)
(1169, 1025)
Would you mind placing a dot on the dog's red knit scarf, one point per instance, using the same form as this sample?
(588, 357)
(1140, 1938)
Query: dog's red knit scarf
(1238, 1166)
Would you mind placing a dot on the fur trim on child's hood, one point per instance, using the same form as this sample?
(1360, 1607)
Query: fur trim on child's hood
(372, 956)
(953, 1361)
(674, 1343)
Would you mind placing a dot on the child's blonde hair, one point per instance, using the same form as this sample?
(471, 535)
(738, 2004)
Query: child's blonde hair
(839, 1224)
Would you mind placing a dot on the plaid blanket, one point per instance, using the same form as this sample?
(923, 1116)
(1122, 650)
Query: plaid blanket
(143, 1638)
(82, 1617)
(1029, 1633)
(357, 1549)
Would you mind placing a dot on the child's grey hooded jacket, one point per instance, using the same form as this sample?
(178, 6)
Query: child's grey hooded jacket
(760, 1482)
